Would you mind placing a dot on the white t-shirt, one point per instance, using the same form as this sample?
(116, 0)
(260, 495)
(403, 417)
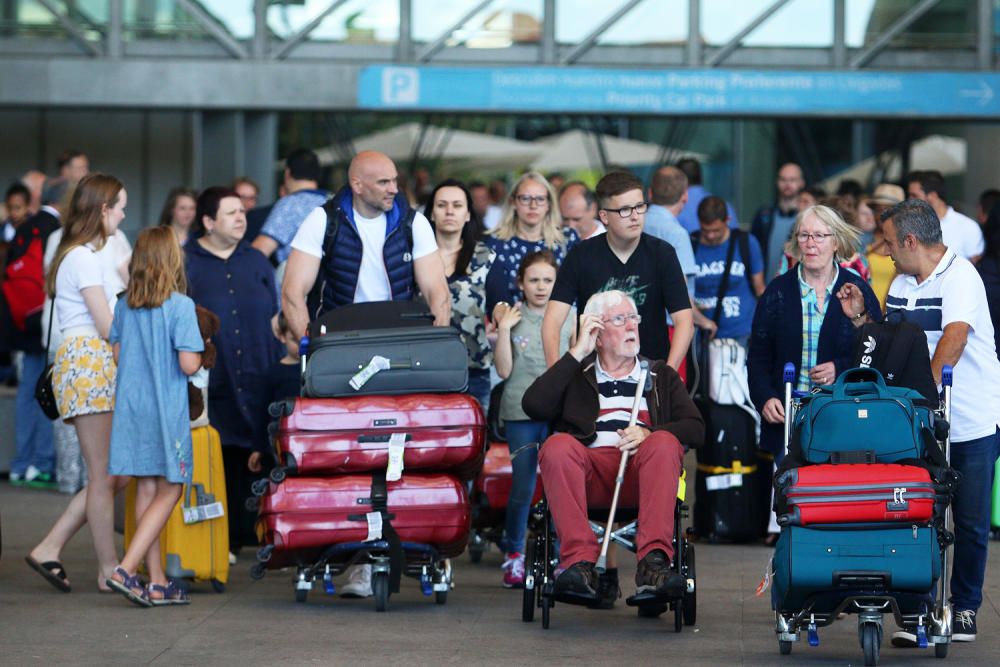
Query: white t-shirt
(962, 234)
(373, 280)
(492, 217)
(954, 292)
(599, 229)
(84, 267)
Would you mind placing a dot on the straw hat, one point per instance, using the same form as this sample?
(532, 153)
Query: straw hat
(887, 194)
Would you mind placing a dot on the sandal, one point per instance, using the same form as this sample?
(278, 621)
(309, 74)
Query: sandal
(130, 587)
(168, 595)
(53, 572)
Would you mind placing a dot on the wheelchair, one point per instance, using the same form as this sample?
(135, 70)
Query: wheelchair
(541, 561)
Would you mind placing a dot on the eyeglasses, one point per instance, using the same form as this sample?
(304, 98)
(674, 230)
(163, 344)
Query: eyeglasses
(626, 211)
(620, 320)
(528, 200)
(804, 237)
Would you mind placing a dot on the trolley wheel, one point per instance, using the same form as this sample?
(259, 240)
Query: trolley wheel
(871, 641)
(218, 586)
(380, 589)
(690, 600)
(277, 475)
(475, 553)
(257, 571)
(678, 616)
(784, 647)
(546, 607)
(301, 594)
(941, 650)
(440, 597)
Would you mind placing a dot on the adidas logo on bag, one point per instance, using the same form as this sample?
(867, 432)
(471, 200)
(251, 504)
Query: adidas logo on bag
(866, 357)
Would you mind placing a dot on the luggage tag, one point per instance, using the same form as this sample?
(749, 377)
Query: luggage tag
(205, 508)
(766, 581)
(723, 482)
(378, 363)
(374, 526)
(394, 470)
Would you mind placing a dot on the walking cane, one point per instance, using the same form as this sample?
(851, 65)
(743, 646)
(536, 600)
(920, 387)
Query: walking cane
(602, 561)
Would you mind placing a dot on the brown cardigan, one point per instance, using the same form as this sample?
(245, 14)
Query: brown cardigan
(566, 396)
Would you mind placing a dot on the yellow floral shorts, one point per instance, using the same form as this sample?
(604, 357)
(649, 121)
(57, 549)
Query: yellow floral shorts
(83, 377)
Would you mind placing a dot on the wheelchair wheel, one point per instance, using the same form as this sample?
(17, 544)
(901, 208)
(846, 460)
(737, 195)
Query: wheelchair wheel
(546, 606)
(690, 601)
(529, 595)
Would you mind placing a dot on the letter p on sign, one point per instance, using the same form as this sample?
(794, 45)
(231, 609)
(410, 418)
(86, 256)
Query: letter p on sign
(400, 86)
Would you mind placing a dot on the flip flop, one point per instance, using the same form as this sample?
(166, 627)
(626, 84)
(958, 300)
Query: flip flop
(52, 571)
(128, 586)
(171, 594)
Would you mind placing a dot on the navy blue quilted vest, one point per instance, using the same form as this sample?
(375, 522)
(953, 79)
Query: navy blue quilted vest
(342, 250)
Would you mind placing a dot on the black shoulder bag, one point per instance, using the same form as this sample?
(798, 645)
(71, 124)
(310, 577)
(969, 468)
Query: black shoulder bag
(43, 388)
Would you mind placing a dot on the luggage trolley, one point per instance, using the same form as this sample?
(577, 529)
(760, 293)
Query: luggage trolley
(541, 561)
(859, 594)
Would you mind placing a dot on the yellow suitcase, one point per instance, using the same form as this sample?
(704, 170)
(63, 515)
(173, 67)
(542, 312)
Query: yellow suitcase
(196, 550)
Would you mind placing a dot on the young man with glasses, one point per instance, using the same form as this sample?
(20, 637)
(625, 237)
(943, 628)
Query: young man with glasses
(642, 266)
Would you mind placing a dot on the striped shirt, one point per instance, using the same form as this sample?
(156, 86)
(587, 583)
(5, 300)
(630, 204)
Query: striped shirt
(812, 322)
(616, 397)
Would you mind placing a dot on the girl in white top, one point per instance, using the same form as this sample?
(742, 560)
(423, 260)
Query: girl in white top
(83, 376)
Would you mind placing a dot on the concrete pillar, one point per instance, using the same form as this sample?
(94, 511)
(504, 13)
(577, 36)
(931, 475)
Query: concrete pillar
(261, 151)
(756, 164)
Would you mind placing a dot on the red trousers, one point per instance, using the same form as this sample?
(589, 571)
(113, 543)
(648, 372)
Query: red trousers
(575, 476)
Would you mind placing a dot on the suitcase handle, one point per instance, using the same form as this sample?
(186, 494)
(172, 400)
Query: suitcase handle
(382, 437)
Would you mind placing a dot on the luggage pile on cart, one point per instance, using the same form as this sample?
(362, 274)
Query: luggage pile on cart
(863, 499)
(366, 474)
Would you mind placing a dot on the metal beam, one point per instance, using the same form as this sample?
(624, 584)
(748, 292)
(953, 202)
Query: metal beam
(260, 30)
(839, 54)
(902, 23)
(113, 38)
(695, 51)
(404, 44)
(548, 45)
(74, 30)
(296, 39)
(735, 42)
(587, 42)
(426, 53)
(215, 31)
(984, 35)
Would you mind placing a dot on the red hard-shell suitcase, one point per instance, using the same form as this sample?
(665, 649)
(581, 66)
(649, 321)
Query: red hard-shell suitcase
(855, 493)
(307, 514)
(443, 432)
(495, 480)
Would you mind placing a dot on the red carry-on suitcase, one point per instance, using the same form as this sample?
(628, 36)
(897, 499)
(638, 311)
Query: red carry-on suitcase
(854, 493)
(494, 482)
(443, 432)
(303, 515)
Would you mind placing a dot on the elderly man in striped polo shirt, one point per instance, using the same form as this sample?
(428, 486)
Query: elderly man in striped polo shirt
(588, 396)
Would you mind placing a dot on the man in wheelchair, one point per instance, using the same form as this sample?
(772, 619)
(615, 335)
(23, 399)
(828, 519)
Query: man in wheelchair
(587, 396)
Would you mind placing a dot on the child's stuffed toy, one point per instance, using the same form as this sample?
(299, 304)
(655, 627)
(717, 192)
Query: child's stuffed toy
(208, 325)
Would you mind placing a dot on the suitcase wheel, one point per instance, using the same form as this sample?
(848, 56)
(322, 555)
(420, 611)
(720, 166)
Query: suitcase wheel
(380, 589)
(258, 571)
(278, 475)
(218, 586)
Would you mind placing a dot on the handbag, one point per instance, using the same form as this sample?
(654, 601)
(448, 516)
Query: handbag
(44, 394)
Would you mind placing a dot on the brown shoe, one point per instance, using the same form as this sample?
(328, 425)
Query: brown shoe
(653, 576)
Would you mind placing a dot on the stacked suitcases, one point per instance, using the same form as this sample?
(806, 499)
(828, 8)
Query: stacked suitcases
(862, 500)
(371, 478)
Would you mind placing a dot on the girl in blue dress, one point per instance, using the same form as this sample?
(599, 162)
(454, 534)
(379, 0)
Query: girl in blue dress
(157, 344)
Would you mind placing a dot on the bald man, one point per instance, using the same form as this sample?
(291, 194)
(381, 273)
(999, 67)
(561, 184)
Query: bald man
(380, 250)
(578, 207)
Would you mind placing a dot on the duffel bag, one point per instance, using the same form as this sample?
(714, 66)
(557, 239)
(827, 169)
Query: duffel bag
(859, 419)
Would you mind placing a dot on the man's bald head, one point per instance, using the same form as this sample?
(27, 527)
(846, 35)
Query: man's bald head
(372, 176)
(668, 185)
(578, 208)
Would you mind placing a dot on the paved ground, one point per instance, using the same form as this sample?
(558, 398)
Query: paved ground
(258, 623)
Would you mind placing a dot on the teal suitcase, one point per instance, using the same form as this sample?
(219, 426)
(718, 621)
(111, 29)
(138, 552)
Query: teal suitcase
(811, 563)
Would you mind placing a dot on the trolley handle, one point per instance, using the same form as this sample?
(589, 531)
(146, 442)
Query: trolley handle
(946, 376)
(789, 372)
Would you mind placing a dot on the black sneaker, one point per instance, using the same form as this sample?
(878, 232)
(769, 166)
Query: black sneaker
(653, 576)
(577, 584)
(963, 625)
(608, 590)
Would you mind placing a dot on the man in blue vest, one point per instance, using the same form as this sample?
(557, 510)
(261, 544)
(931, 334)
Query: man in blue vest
(365, 244)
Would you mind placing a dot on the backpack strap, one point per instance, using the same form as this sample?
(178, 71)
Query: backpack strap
(724, 283)
(744, 240)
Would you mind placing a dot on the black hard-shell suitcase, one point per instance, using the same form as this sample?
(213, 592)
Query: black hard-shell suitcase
(372, 315)
(421, 359)
(729, 502)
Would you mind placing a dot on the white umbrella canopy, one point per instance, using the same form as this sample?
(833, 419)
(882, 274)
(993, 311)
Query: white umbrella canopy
(945, 154)
(469, 148)
(578, 149)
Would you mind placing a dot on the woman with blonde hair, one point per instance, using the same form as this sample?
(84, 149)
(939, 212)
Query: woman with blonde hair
(530, 223)
(84, 371)
(799, 319)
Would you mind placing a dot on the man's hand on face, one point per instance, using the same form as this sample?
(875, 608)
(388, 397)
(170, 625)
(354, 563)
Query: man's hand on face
(586, 341)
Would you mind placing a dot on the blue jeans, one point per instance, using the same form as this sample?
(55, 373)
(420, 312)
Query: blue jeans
(523, 439)
(479, 386)
(974, 459)
(32, 429)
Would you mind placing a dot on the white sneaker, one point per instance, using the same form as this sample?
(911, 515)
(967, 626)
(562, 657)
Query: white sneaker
(359, 582)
